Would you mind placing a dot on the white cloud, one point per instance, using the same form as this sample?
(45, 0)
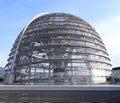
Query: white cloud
(109, 30)
(115, 55)
(3, 58)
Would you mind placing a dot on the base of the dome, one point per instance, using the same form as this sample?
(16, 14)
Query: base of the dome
(59, 94)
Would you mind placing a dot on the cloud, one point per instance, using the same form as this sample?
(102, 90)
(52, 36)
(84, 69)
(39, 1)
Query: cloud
(109, 30)
(115, 55)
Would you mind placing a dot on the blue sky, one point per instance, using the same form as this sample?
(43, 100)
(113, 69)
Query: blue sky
(103, 15)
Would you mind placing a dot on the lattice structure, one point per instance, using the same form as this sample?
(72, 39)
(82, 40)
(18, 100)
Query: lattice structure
(58, 49)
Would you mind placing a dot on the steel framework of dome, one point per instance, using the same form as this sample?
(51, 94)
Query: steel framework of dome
(58, 48)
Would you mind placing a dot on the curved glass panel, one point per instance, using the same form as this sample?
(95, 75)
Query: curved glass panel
(58, 48)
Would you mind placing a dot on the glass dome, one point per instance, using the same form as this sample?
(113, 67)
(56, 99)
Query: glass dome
(58, 49)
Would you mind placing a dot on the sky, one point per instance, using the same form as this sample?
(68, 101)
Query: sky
(103, 15)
